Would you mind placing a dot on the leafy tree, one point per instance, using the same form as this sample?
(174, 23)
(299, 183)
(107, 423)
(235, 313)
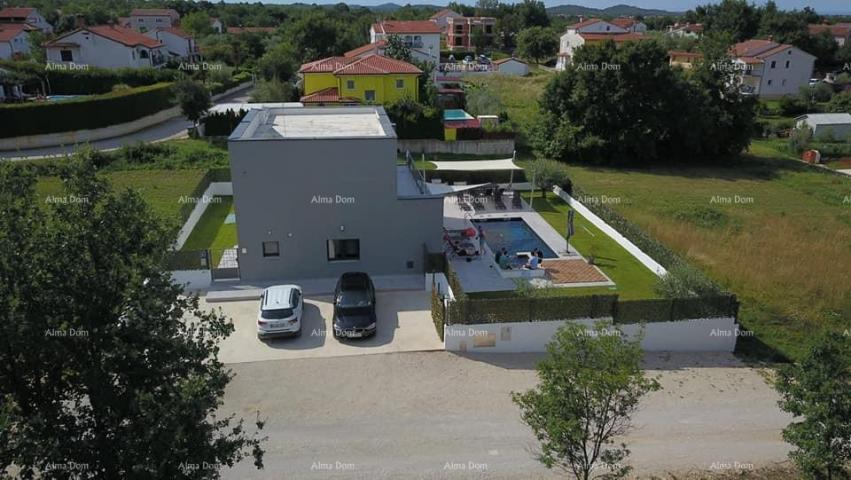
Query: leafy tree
(197, 23)
(590, 385)
(536, 43)
(482, 101)
(533, 13)
(547, 174)
(801, 138)
(840, 103)
(106, 364)
(397, 49)
(193, 98)
(486, 8)
(737, 17)
(274, 90)
(817, 391)
(278, 63)
(506, 30)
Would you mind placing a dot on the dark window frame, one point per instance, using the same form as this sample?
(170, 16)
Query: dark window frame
(340, 249)
(268, 252)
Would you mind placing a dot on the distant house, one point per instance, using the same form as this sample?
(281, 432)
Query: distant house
(241, 30)
(376, 48)
(144, 19)
(440, 18)
(683, 59)
(691, 30)
(591, 32)
(26, 15)
(769, 69)
(511, 66)
(217, 25)
(106, 46)
(630, 24)
(368, 79)
(461, 32)
(835, 125)
(14, 40)
(841, 32)
(421, 36)
(178, 44)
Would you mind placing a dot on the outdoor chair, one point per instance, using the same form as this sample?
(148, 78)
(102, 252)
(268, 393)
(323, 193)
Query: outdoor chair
(516, 200)
(497, 199)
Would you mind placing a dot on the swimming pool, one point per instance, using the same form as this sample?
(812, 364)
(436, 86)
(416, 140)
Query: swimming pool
(61, 98)
(456, 114)
(514, 235)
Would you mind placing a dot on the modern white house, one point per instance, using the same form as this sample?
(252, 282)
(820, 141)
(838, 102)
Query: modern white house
(178, 44)
(589, 32)
(769, 69)
(421, 36)
(27, 15)
(144, 19)
(835, 125)
(511, 66)
(14, 40)
(106, 46)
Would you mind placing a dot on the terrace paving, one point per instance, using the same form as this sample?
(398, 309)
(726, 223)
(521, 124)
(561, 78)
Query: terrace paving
(573, 272)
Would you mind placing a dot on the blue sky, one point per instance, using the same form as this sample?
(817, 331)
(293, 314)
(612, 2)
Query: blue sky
(824, 6)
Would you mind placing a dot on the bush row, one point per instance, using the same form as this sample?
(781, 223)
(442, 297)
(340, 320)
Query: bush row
(222, 123)
(91, 81)
(85, 113)
(437, 312)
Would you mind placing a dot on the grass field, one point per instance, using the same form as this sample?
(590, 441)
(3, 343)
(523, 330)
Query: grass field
(211, 232)
(774, 231)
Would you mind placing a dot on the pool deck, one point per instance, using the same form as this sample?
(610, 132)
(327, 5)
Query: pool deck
(481, 274)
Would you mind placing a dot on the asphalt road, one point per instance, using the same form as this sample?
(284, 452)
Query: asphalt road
(174, 128)
(441, 415)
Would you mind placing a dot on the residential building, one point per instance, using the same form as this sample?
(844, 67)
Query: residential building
(367, 79)
(421, 36)
(318, 192)
(591, 32)
(144, 19)
(511, 66)
(14, 40)
(106, 46)
(835, 125)
(630, 24)
(27, 15)
(462, 32)
(692, 30)
(178, 44)
(683, 59)
(217, 25)
(440, 18)
(376, 48)
(769, 69)
(841, 32)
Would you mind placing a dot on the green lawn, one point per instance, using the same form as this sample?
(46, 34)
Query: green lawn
(783, 243)
(212, 232)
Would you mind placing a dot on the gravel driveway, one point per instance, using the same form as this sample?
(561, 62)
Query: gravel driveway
(442, 415)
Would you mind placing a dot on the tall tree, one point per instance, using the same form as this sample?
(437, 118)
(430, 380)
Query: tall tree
(817, 391)
(193, 98)
(106, 368)
(736, 17)
(537, 43)
(533, 13)
(397, 49)
(590, 385)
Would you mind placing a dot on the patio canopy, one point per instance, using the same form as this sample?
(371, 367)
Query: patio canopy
(478, 165)
(442, 188)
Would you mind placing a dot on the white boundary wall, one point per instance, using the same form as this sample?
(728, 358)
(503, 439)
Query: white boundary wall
(698, 335)
(214, 189)
(194, 279)
(598, 222)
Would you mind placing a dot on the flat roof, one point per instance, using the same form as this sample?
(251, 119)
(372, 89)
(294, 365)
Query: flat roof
(290, 123)
(827, 118)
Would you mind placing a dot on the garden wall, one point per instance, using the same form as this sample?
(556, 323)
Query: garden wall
(502, 146)
(696, 335)
(194, 280)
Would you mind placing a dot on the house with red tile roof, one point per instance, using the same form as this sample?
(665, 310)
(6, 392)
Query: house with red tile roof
(590, 32)
(630, 24)
(359, 79)
(178, 44)
(421, 36)
(440, 18)
(14, 40)
(769, 69)
(376, 48)
(145, 19)
(841, 32)
(461, 32)
(106, 46)
(26, 15)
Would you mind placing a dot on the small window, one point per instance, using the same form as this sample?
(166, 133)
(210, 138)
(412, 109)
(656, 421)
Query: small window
(271, 249)
(769, 83)
(369, 95)
(773, 63)
(159, 20)
(400, 83)
(343, 249)
(788, 62)
(350, 84)
(143, 54)
(66, 55)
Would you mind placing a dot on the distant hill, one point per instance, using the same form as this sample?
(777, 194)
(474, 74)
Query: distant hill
(613, 11)
(392, 7)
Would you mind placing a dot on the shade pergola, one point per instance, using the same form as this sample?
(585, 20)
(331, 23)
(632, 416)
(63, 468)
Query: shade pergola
(478, 165)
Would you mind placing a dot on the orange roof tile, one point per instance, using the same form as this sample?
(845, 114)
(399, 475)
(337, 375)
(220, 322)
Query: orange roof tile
(615, 37)
(584, 23)
(407, 26)
(327, 95)
(124, 36)
(443, 13)
(368, 65)
(624, 22)
(16, 12)
(9, 31)
(369, 47)
(154, 12)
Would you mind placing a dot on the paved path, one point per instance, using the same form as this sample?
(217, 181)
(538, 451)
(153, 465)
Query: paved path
(441, 415)
(170, 129)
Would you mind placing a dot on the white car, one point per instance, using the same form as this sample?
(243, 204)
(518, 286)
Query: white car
(281, 307)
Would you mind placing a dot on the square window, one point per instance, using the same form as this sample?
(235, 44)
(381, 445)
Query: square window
(400, 83)
(66, 55)
(369, 95)
(343, 249)
(769, 82)
(773, 63)
(350, 84)
(271, 249)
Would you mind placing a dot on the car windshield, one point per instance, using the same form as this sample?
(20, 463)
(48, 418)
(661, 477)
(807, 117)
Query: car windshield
(353, 298)
(277, 313)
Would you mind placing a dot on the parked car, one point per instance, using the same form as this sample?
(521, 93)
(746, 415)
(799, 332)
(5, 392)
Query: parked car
(483, 60)
(468, 60)
(280, 313)
(354, 306)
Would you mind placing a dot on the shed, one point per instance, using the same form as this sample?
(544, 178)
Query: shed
(836, 125)
(511, 66)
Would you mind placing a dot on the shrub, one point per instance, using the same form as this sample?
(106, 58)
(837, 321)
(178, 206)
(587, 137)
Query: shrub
(91, 81)
(412, 121)
(85, 113)
(685, 281)
(800, 139)
(220, 124)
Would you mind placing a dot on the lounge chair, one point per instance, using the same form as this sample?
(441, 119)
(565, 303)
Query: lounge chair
(516, 200)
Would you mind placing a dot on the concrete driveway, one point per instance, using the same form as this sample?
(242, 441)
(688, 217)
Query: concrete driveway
(404, 325)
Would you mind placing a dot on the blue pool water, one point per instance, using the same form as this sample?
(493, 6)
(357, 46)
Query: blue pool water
(513, 234)
(59, 98)
(456, 114)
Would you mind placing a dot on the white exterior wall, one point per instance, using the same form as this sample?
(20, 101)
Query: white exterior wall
(19, 44)
(145, 22)
(99, 51)
(698, 335)
(173, 43)
(513, 67)
(569, 42)
(217, 25)
(780, 80)
(36, 20)
(429, 52)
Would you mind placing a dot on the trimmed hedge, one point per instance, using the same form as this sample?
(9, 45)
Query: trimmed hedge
(222, 124)
(92, 81)
(85, 113)
(437, 313)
